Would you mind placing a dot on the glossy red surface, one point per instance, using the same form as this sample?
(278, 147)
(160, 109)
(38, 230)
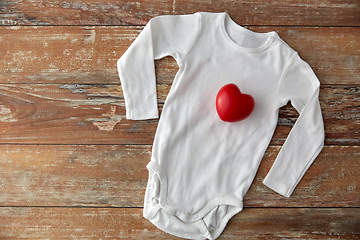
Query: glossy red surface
(232, 105)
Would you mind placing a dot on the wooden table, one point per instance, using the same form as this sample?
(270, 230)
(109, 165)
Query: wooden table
(72, 166)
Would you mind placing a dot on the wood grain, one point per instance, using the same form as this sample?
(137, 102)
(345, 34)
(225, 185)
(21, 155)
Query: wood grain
(124, 223)
(95, 114)
(115, 175)
(112, 12)
(79, 55)
(72, 166)
(65, 175)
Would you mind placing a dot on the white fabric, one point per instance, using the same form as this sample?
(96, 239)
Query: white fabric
(201, 166)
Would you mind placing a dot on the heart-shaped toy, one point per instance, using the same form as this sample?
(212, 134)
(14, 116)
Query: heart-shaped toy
(232, 105)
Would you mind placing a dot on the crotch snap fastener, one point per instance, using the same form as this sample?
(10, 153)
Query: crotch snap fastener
(178, 213)
(162, 204)
(195, 216)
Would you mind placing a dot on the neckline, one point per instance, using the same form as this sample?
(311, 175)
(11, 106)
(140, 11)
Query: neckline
(271, 35)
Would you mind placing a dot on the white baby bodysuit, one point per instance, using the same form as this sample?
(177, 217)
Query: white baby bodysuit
(201, 167)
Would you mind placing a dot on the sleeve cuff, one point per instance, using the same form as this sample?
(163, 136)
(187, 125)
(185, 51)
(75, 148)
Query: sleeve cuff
(278, 187)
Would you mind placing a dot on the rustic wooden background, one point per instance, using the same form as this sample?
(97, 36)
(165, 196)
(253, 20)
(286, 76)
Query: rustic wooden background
(72, 166)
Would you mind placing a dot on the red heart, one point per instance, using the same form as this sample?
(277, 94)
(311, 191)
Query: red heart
(232, 105)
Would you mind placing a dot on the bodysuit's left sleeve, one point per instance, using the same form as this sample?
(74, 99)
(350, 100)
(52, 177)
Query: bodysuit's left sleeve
(306, 139)
(162, 36)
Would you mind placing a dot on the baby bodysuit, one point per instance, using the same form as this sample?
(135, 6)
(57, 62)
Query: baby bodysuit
(201, 166)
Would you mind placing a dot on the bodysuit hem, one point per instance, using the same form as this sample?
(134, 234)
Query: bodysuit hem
(197, 218)
(206, 235)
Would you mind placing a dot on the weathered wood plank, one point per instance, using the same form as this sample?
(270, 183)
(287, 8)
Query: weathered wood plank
(128, 223)
(95, 114)
(332, 180)
(89, 54)
(104, 175)
(298, 223)
(75, 114)
(62, 54)
(59, 85)
(112, 12)
(65, 175)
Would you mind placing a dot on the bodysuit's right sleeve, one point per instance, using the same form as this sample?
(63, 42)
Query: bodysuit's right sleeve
(162, 36)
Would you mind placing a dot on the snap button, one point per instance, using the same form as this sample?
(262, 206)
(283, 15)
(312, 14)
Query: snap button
(162, 204)
(178, 213)
(195, 215)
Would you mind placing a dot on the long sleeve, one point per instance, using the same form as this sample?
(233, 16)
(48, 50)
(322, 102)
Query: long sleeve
(298, 84)
(162, 36)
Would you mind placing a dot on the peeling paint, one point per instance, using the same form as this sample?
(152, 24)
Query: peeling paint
(174, 6)
(75, 88)
(90, 39)
(6, 115)
(108, 123)
(15, 27)
(351, 188)
(105, 126)
(9, 22)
